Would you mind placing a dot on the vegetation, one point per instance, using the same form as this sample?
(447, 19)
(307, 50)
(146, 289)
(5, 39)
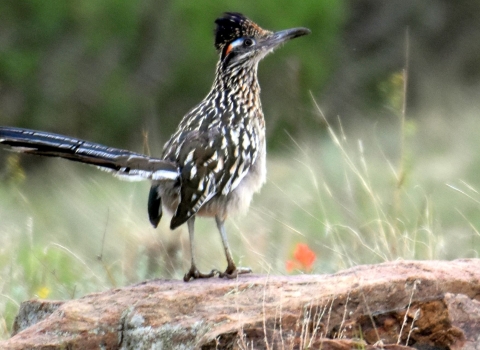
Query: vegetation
(109, 70)
(396, 186)
(68, 230)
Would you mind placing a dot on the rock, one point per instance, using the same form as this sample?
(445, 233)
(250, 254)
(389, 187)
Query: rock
(395, 305)
(34, 311)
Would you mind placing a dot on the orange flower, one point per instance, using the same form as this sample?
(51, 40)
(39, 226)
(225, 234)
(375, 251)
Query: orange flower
(304, 258)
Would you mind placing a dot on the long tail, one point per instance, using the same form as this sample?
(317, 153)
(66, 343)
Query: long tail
(127, 165)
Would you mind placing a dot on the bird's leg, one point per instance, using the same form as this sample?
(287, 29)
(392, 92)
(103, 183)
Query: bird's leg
(193, 273)
(232, 271)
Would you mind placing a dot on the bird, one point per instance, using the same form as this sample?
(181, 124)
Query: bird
(215, 160)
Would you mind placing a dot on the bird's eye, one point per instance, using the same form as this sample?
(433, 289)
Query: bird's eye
(248, 42)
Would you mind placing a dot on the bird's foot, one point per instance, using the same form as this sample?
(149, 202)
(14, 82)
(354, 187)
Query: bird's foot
(193, 273)
(233, 272)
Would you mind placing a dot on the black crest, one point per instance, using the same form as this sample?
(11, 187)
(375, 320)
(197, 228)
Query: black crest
(232, 26)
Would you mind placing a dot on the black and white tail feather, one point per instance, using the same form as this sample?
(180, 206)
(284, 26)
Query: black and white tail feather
(124, 164)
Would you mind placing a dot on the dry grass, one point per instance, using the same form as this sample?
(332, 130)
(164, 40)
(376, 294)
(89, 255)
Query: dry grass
(354, 196)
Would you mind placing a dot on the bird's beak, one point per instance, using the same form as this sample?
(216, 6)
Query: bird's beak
(282, 36)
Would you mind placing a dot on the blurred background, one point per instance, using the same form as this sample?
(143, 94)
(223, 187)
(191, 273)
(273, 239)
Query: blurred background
(372, 125)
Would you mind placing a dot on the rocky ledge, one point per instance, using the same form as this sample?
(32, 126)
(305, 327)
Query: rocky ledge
(402, 304)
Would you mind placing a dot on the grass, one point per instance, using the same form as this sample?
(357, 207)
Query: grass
(363, 195)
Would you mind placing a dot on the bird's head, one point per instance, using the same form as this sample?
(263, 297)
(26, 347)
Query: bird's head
(242, 42)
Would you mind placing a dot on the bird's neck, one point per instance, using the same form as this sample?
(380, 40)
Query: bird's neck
(239, 83)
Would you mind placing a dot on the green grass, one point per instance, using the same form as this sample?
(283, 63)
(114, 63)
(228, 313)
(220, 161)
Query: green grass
(357, 196)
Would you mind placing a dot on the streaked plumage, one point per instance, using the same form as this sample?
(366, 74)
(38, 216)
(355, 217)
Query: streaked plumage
(215, 161)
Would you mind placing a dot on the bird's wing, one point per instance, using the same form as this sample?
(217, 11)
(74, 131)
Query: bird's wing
(211, 163)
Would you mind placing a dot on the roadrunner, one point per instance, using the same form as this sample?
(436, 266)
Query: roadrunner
(215, 161)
